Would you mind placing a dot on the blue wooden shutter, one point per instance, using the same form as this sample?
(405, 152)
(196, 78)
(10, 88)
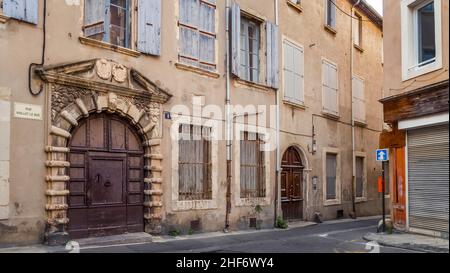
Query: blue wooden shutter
(235, 39)
(24, 10)
(94, 17)
(272, 55)
(149, 27)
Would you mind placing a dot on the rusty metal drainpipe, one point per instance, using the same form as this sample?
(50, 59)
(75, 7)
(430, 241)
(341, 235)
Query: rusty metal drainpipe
(228, 119)
(353, 111)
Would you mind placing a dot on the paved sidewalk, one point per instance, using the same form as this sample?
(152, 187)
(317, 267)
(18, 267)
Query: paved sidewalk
(410, 241)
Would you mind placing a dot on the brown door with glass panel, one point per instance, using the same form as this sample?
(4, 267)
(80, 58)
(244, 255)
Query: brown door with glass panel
(106, 178)
(292, 185)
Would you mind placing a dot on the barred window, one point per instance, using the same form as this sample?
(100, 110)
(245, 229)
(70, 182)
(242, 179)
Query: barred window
(253, 170)
(195, 163)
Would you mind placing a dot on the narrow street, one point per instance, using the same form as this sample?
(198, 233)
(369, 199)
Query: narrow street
(333, 237)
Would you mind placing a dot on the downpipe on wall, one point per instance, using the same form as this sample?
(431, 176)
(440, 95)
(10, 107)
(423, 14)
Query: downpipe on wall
(353, 214)
(228, 119)
(33, 65)
(278, 148)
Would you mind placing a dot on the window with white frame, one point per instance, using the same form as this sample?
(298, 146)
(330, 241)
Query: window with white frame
(250, 45)
(331, 188)
(421, 37)
(294, 74)
(330, 13)
(194, 163)
(330, 99)
(197, 24)
(252, 166)
(359, 101)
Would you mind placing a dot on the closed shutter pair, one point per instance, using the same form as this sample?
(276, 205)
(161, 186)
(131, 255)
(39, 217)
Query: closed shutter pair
(271, 47)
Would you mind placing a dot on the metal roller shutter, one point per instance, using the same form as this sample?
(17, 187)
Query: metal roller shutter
(428, 178)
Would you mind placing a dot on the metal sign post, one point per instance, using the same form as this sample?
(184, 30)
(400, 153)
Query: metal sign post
(383, 156)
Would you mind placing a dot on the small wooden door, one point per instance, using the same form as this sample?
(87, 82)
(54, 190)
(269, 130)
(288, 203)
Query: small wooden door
(292, 185)
(398, 195)
(106, 178)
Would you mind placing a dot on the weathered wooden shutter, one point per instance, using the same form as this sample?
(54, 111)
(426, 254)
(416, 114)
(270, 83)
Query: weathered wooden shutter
(293, 73)
(272, 55)
(359, 99)
(235, 21)
(24, 10)
(149, 27)
(428, 180)
(330, 88)
(95, 14)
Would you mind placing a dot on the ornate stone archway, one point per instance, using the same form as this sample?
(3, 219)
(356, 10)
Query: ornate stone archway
(75, 91)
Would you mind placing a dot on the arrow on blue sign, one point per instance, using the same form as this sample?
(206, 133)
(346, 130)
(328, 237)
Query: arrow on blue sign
(383, 155)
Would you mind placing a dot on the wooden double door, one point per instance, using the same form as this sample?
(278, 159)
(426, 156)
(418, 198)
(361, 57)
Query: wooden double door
(292, 185)
(106, 178)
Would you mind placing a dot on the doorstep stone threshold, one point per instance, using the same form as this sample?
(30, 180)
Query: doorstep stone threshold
(123, 239)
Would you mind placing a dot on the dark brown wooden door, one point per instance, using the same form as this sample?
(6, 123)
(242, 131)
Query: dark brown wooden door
(106, 178)
(292, 185)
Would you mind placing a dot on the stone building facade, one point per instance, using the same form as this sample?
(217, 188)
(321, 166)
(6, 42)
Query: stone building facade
(123, 126)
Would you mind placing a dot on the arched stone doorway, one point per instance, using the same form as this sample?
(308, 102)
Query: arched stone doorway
(292, 193)
(106, 178)
(80, 92)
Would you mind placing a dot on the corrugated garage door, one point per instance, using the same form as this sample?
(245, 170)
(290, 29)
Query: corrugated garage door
(428, 157)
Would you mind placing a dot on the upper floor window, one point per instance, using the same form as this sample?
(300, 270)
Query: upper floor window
(357, 30)
(250, 45)
(113, 22)
(421, 37)
(247, 48)
(198, 33)
(108, 21)
(293, 73)
(359, 101)
(330, 13)
(330, 100)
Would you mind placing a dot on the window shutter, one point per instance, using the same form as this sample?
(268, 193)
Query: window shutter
(272, 55)
(149, 27)
(24, 10)
(94, 17)
(359, 99)
(330, 89)
(235, 39)
(189, 36)
(298, 75)
(207, 24)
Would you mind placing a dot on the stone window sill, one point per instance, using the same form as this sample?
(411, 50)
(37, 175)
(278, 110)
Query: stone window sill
(330, 29)
(297, 7)
(360, 199)
(359, 48)
(328, 203)
(3, 19)
(295, 104)
(250, 84)
(194, 205)
(197, 70)
(104, 45)
(361, 123)
(329, 115)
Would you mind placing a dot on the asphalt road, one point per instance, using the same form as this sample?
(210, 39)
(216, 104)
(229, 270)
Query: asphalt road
(336, 237)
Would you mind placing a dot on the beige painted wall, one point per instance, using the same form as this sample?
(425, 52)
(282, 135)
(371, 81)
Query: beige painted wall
(393, 83)
(306, 28)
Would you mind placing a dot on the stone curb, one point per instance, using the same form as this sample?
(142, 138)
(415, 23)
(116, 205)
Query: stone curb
(409, 246)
